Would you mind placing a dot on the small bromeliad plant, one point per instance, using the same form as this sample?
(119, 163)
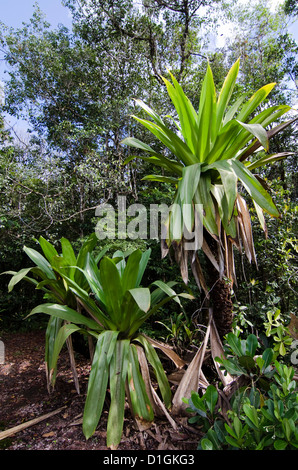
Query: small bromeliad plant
(113, 307)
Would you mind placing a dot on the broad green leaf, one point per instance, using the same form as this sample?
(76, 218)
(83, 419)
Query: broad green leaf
(98, 381)
(251, 344)
(233, 368)
(257, 98)
(247, 362)
(155, 362)
(235, 344)
(226, 93)
(48, 249)
(267, 356)
(112, 287)
(254, 188)
(167, 289)
(130, 274)
(252, 416)
(17, 277)
(211, 397)
(279, 444)
(186, 188)
(142, 266)
(64, 332)
(186, 112)
(206, 116)
(118, 374)
(229, 181)
(86, 248)
(69, 255)
(258, 131)
(203, 196)
(137, 390)
(65, 313)
(206, 444)
(40, 261)
(142, 298)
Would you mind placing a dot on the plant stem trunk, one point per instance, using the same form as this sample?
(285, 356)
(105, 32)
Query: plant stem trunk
(220, 294)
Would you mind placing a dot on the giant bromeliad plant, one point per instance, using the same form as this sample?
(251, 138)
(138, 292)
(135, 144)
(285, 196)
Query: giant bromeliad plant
(113, 307)
(206, 160)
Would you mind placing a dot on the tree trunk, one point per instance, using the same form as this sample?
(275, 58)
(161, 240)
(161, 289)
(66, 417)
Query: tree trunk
(220, 293)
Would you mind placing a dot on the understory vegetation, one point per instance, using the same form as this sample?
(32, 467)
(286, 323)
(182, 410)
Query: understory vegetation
(143, 103)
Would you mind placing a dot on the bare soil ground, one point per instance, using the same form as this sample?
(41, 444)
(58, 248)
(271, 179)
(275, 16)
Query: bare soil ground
(24, 396)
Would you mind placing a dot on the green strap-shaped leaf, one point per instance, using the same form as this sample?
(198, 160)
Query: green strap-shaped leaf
(112, 287)
(98, 381)
(226, 93)
(118, 375)
(170, 140)
(186, 189)
(254, 188)
(187, 115)
(161, 179)
(69, 256)
(142, 266)
(257, 98)
(40, 261)
(203, 196)
(139, 399)
(52, 330)
(17, 277)
(206, 116)
(154, 360)
(65, 313)
(86, 248)
(64, 332)
(48, 249)
(130, 273)
(258, 131)
(229, 181)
